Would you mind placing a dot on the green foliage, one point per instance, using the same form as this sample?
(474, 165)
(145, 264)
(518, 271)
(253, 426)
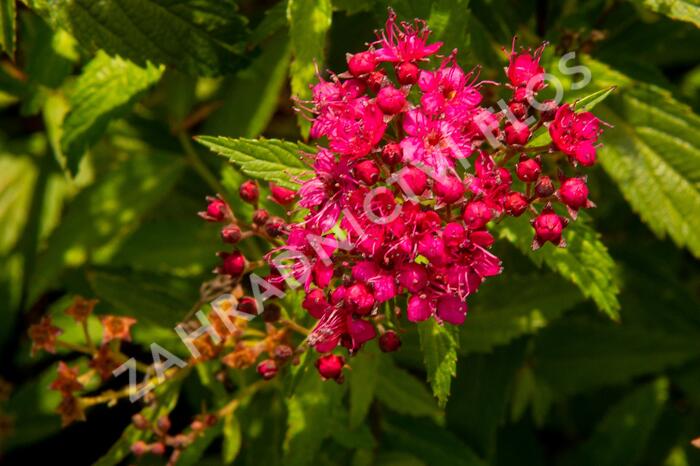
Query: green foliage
(270, 160)
(585, 261)
(684, 10)
(202, 36)
(105, 90)
(440, 344)
(403, 393)
(8, 24)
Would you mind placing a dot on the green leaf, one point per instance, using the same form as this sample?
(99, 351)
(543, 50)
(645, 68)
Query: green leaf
(653, 153)
(200, 36)
(580, 353)
(584, 262)
(621, 436)
(449, 22)
(8, 23)
(251, 98)
(19, 175)
(232, 438)
(587, 103)
(167, 396)
(160, 299)
(106, 90)
(439, 344)
(428, 442)
(514, 305)
(194, 452)
(104, 213)
(683, 10)
(484, 385)
(266, 159)
(403, 393)
(362, 384)
(309, 21)
(311, 411)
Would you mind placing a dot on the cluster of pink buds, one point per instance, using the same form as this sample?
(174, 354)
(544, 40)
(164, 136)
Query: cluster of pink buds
(411, 172)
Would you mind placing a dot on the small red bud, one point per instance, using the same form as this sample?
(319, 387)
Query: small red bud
(367, 172)
(391, 100)
(260, 217)
(157, 448)
(163, 424)
(515, 204)
(249, 191)
(544, 187)
(528, 170)
(231, 234)
(391, 153)
(361, 63)
(281, 195)
(139, 421)
(330, 366)
(275, 227)
(389, 342)
(139, 448)
(407, 73)
(233, 264)
(267, 369)
(283, 352)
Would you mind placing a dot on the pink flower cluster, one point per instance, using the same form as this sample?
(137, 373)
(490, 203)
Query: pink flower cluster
(411, 171)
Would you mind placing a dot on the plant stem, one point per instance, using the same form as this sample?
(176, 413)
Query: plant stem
(200, 167)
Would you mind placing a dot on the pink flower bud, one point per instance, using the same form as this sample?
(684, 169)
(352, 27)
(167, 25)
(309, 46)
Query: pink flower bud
(233, 264)
(452, 309)
(518, 109)
(449, 189)
(359, 299)
(282, 196)
(391, 153)
(217, 210)
(407, 73)
(528, 170)
(389, 341)
(231, 234)
(157, 448)
(585, 154)
(275, 227)
(418, 308)
(361, 63)
(267, 369)
(515, 204)
(139, 448)
(376, 80)
(548, 227)
(415, 179)
(548, 109)
(315, 303)
(454, 234)
(413, 277)
(517, 133)
(248, 305)
(330, 367)
(249, 191)
(367, 172)
(391, 100)
(476, 215)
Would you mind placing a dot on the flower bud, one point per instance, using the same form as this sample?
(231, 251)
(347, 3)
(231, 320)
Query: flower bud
(359, 299)
(260, 217)
(544, 187)
(217, 210)
(418, 308)
(517, 134)
(249, 191)
(139, 421)
(375, 80)
(585, 155)
(407, 73)
(548, 227)
(163, 424)
(139, 448)
(415, 179)
(248, 305)
(454, 234)
(231, 234)
(315, 303)
(452, 309)
(361, 63)
(283, 352)
(367, 172)
(449, 189)
(275, 227)
(391, 100)
(548, 109)
(528, 170)
(157, 448)
(330, 366)
(574, 193)
(389, 342)
(282, 196)
(233, 264)
(413, 277)
(515, 204)
(518, 109)
(271, 313)
(391, 153)
(476, 215)
(267, 369)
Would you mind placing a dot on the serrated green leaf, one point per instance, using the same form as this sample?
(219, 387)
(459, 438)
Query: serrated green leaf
(311, 411)
(653, 153)
(19, 175)
(621, 436)
(8, 23)
(439, 344)
(266, 159)
(683, 10)
(104, 213)
(584, 262)
(403, 393)
(587, 103)
(309, 21)
(200, 36)
(362, 383)
(106, 89)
